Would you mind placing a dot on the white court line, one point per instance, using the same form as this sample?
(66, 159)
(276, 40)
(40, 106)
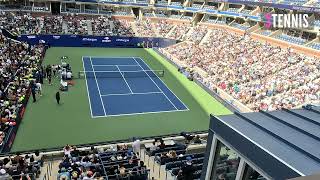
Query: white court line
(85, 76)
(125, 94)
(115, 65)
(111, 57)
(124, 79)
(157, 85)
(164, 83)
(152, 112)
(121, 71)
(94, 73)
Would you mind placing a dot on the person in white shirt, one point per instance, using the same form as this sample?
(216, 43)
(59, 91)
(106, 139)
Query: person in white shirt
(63, 85)
(69, 75)
(39, 88)
(136, 146)
(67, 150)
(153, 147)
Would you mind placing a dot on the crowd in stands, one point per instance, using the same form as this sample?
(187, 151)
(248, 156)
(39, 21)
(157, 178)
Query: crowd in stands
(76, 25)
(20, 167)
(25, 23)
(52, 25)
(259, 75)
(179, 32)
(175, 157)
(145, 28)
(103, 26)
(163, 27)
(19, 23)
(118, 162)
(19, 62)
(197, 33)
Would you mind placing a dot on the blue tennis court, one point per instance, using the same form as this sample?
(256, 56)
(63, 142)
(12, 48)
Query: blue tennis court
(126, 86)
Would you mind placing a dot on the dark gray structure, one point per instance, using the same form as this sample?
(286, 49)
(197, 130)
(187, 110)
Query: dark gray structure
(264, 145)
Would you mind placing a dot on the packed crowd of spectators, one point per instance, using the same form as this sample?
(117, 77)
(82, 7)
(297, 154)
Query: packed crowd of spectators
(180, 31)
(25, 23)
(118, 162)
(18, 62)
(76, 25)
(163, 27)
(180, 162)
(19, 23)
(102, 26)
(52, 25)
(80, 164)
(21, 167)
(145, 28)
(261, 76)
(197, 33)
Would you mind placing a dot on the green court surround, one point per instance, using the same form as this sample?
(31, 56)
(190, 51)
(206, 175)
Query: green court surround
(48, 125)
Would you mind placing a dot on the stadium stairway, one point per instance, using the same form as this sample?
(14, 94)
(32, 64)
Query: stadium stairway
(171, 31)
(155, 30)
(41, 23)
(206, 37)
(188, 34)
(89, 25)
(156, 172)
(49, 170)
(65, 27)
(134, 28)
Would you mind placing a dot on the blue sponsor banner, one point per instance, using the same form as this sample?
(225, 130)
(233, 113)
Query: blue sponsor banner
(95, 41)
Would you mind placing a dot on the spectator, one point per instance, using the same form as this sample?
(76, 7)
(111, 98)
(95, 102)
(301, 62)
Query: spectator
(188, 169)
(153, 147)
(64, 174)
(136, 146)
(197, 140)
(162, 145)
(4, 175)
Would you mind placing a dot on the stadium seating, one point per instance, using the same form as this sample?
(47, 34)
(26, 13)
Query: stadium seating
(145, 29)
(21, 167)
(246, 12)
(197, 6)
(315, 46)
(273, 80)
(241, 26)
(17, 60)
(291, 39)
(206, 7)
(102, 25)
(118, 163)
(265, 32)
(163, 27)
(315, 3)
(257, 74)
(316, 23)
(175, 156)
(294, 2)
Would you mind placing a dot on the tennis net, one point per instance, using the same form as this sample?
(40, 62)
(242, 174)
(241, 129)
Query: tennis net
(120, 74)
